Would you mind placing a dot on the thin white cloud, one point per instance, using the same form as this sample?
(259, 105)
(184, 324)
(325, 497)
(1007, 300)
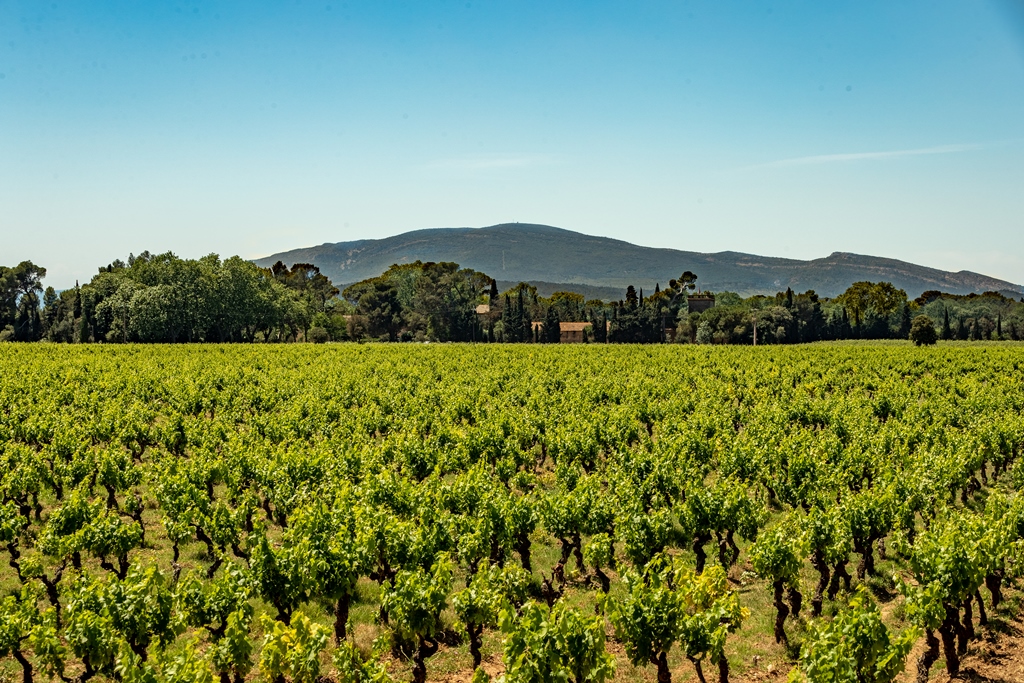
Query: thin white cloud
(866, 156)
(485, 163)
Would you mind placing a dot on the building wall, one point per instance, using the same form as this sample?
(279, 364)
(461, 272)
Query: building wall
(699, 304)
(571, 337)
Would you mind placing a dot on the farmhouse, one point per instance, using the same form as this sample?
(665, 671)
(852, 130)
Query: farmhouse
(572, 333)
(569, 333)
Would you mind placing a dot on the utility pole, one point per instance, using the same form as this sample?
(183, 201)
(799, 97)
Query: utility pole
(755, 330)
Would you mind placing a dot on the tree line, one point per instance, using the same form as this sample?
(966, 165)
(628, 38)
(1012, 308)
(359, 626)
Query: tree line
(164, 298)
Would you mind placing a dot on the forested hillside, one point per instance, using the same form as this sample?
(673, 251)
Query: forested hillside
(524, 252)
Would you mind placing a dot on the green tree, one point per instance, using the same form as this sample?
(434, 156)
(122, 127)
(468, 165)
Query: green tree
(306, 280)
(382, 310)
(512, 318)
(881, 298)
(20, 290)
(922, 331)
(570, 306)
(886, 298)
(551, 332)
(687, 282)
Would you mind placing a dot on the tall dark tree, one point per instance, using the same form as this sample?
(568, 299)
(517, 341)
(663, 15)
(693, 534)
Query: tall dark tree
(905, 320)
(599, 326)
(552, 332)
(382, 310)
(526, 331)
(814, 320)
(512, 319)
(631, 297)
(635, 323)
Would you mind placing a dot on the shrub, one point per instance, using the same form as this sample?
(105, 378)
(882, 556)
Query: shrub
(922, 331)
(318, 335)
(705, 335)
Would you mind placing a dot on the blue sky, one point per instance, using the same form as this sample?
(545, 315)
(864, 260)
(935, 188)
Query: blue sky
(778, 128)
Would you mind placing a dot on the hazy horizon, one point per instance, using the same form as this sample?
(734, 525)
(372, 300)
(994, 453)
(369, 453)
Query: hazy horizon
(787, 129)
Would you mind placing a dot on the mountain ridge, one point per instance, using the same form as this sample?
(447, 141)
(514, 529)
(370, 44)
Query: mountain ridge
(532, 252)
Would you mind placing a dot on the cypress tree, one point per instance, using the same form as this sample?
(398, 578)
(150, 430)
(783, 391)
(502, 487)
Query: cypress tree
(631, 296)
(905, 321)
(525, 324)
(815, 324)
(77, 312)
(83, 330)
(552, 330)
(947, 332)
(512, 322)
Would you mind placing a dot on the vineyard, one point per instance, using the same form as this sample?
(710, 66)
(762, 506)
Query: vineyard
(369, 513)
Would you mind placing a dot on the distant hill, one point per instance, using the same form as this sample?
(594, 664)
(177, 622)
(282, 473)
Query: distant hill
(562, 258)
